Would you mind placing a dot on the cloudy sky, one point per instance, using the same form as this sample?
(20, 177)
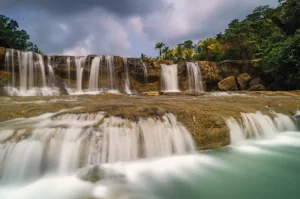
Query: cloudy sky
(122, 27)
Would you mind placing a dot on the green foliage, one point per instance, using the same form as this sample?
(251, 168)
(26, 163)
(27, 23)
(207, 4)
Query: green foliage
(271, 35)
(288, 17)
(159, 46)
(18, 39)
(282, 61)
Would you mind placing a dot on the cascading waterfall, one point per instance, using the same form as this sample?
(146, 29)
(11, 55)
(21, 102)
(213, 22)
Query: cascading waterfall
(80, 63)
(127, 80)
(169, 78)
(194, 77)
(257, 126)
(10, 53)
(94, 74)
(145, 71)
(51, 79)
(32, 74)
(69, 70)
(62, 143)
(110, 72)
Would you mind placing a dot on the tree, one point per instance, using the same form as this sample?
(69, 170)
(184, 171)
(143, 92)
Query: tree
(188, 54)
(282, 61)
(288, 19)
(159, 46)
(188, 44)
(18, 39)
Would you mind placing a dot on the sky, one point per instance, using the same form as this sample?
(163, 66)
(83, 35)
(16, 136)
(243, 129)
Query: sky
(122, 27)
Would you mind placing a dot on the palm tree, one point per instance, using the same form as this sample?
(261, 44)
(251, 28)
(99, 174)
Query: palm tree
(206, 43)
(188, 44)
(166, 52)
(159, 46)
(177, 52)
(189, 54)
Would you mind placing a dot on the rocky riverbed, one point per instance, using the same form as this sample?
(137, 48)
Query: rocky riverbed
(203, 115)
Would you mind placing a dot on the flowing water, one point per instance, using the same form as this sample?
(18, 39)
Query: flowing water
(194, 77)
(40, 158)
(32, 75)
(127, 79)
(80, 64)
(94, 74)
(169, 78)
(145, 71)
(69, 70)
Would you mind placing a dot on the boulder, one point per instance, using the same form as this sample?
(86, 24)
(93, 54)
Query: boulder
(2, 58)
(210, 75)
(97, 173)
(256, 81)
(228, 84)
(244, 80)
(257, 87)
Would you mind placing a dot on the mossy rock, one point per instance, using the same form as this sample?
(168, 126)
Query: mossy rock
(244, 80)
(257, 87)
(228, 84)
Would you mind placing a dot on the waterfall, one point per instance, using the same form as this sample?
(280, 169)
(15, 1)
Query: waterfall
(127, 80)
(194, 77)
(145, 71)
(32, 75)
(94, 74)
(110, 72)
(69, 70)
(169, 78)
(64, 142)
(80, 63)
(9, 55)
(51, 76)
(257, 126)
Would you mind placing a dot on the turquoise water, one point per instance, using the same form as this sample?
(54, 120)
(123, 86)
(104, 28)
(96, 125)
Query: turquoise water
(263, 169)
(268, 169)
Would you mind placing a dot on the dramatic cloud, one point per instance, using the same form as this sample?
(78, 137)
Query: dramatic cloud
(65, 7)
(127, 27)
(197, 19)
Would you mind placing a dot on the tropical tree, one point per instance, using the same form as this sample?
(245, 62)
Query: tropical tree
(167, 53)
(188, 44)
(159, 46)
(288, 19)
(15, 38)
(282, 62)
(189, 54)
(177, 52)
(203, 45)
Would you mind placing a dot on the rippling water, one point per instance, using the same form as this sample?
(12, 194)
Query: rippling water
(253, 169)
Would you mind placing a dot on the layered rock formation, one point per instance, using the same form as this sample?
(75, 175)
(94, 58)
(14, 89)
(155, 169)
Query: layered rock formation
(145, 75)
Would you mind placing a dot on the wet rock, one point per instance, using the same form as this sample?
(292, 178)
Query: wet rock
(98, 173)
(257, 87)
(256, 81)
(228, 84)
(244, 80)
(210, 75)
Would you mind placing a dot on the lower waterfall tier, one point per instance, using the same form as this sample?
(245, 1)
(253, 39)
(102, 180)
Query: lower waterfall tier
(63, 143)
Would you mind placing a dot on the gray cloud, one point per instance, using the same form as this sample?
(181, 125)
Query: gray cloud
(197, 19)
(123, 27)
(65, 7)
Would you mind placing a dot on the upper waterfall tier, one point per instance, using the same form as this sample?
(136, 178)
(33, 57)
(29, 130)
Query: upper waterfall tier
(32, 74)
(31, 70)
(169, 78)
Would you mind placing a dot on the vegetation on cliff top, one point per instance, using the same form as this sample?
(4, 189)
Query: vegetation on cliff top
(13, 37)
(269, 34)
